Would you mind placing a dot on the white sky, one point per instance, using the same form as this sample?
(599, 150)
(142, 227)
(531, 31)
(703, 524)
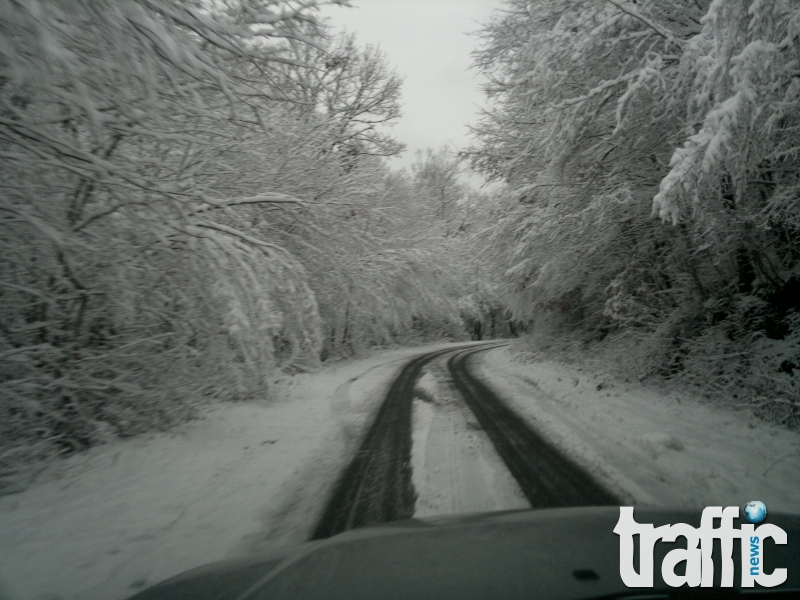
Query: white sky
(426, 42)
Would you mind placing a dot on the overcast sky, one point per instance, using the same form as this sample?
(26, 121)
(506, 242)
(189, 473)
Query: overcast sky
(426, 42)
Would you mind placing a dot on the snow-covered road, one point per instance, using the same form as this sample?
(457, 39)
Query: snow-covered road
(455, 468)
(448, 447)
(651, 447)
(376, 487)
(246, 477)
(252, 476)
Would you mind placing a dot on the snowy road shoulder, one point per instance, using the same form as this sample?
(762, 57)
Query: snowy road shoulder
(247, 477)
(654, 449)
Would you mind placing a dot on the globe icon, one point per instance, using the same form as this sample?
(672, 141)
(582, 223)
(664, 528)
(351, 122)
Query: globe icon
(755, 511)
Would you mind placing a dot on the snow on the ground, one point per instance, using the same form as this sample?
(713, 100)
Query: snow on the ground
(651, 447)
(455, 468)
(247, 477)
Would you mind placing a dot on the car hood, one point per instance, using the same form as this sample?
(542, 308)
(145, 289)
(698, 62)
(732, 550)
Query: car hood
(568, 553)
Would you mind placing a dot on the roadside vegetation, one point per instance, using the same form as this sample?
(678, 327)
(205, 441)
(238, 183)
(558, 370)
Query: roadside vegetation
(651, 208)
(193, 199)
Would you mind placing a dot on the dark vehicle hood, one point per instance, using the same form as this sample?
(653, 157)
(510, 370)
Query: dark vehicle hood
(565, 553)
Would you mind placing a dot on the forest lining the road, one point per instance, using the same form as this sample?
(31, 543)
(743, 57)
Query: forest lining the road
(195, 205)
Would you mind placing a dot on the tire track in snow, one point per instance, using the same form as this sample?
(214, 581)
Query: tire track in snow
(547, 478)
(376, 486)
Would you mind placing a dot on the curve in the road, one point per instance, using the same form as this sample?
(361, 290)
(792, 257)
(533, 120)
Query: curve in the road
(376, 486)
(547, 478)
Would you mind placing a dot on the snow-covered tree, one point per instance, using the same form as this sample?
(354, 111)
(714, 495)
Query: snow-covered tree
(189, 199)
(603, 114)
(130, 170)
(354, 88)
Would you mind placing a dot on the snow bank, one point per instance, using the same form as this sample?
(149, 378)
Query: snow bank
(651, 448)
(106, 523)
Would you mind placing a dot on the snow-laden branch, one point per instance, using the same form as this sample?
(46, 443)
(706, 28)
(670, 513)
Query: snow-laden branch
(265, 198)
(595, 91)
(662, 31)
(243, 236)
